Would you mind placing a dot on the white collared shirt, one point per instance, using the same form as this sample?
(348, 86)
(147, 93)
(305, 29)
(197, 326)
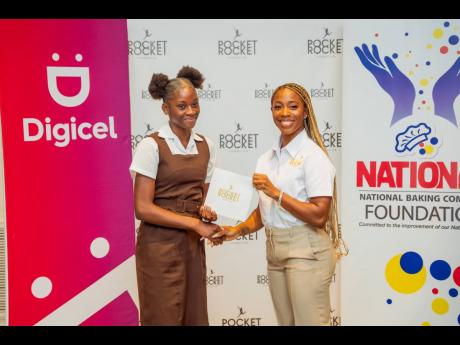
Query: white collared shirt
(300, 169)
(146, 157)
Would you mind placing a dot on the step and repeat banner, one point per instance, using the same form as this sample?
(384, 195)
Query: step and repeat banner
(65, 116)
(243, 61)
(401, 202)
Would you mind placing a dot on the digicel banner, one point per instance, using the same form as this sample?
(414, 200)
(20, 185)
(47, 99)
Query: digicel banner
(64, 102)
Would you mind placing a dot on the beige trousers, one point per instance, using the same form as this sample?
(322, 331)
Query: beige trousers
(301, 262)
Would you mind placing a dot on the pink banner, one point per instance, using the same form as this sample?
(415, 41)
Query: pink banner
(64, 102)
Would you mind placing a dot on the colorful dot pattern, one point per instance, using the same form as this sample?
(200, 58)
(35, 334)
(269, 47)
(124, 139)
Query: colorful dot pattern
(406, 273)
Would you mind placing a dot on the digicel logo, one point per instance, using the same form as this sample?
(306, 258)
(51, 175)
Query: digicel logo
(63, 132)
(399, 174)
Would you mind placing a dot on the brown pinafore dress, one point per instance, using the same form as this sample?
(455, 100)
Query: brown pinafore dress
(170, 262)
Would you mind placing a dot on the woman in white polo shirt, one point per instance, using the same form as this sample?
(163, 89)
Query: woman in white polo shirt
(298, 208)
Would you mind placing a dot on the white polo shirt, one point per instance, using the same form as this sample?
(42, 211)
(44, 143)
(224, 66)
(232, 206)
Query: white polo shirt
(146, 157)
(300, 169)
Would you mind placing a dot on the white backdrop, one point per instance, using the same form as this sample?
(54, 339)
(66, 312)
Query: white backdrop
(402, 269)
(242, 61)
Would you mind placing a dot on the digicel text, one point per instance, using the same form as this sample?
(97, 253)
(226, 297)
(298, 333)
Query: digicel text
(62, 133)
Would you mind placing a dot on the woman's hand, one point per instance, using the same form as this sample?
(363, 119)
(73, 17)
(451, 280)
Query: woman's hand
(217, 239)
(262, 182)
(207, 213)
(231, 232)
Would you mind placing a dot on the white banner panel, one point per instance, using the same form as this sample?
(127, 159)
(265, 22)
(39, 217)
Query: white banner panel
(242, 61)
(401, 199)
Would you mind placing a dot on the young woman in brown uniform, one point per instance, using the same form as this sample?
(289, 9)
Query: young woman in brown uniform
(173, 169)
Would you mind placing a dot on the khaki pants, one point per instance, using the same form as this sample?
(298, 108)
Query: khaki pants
(301, 262)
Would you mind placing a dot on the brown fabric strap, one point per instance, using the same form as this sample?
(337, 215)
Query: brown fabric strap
(179, 205)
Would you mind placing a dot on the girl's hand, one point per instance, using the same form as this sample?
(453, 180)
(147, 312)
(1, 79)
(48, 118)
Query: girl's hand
(207, 213)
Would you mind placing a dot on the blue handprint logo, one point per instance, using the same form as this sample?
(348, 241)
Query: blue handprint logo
(445, 91)
(391, 79)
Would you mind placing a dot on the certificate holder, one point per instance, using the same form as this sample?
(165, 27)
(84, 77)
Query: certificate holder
(230, 194)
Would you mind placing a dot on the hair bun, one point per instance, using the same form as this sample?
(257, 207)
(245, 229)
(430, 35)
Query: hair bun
(192, 74)
(157, 86)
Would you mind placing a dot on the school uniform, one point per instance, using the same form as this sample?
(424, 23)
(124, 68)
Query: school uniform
(300, 257)
(170, 262)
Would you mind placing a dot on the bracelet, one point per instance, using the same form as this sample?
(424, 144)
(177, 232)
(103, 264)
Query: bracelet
(280, 198)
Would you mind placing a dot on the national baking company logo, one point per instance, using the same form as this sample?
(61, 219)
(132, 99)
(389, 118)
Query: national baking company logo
(62, 133)
(326, 44)
(239, 139)
(145, 45)
(419, 140)
(237, 47)
(209, 93)
(242, 318)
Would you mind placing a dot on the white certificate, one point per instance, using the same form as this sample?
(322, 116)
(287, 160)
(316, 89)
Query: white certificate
(230, 194)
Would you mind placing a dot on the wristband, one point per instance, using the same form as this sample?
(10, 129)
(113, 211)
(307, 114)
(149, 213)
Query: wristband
(280, 198)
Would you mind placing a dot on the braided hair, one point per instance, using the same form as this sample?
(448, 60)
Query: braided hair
(311, 127)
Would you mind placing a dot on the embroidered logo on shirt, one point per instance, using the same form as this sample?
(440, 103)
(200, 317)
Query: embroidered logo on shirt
(295, 162)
